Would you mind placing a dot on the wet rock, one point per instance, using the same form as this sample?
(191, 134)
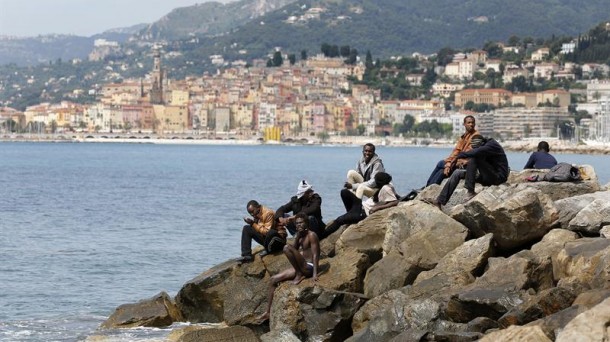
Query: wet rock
(516, 217)
(158, 311)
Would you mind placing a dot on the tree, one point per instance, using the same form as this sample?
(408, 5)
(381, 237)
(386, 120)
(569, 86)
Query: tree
(292, 58)
(303, 55)
(368, 61)
(344, 51)
(361, 129)
(277, 59)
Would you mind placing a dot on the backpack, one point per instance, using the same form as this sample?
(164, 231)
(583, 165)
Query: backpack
(562, 172)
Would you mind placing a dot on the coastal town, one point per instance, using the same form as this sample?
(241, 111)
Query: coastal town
(320, 97)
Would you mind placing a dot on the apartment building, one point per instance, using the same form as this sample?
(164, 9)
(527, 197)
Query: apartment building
(495, 97)
(519, 123)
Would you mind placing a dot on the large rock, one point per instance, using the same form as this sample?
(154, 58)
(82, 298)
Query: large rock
(392, 272)
(557, 190)
(570, 206)
(516, 216)
(206, 334)
(233, 293)
(554, 323)
(367, 235)
(346, 272)
(586, 262)
(314, 313)
(517, 333)
(158, 311)
(492, 303)
(471, 257)
(423, 233)
(589, 326)
(553, 242)
(590, 220)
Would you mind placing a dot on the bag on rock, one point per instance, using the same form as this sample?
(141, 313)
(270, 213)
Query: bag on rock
(562, 172)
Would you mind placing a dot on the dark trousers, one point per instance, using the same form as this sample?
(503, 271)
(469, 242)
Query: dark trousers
(315, 225)
(437, 175)
(477, 170)
(248, 233)
(354, 212)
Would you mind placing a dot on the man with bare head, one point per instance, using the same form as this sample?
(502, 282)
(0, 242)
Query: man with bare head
(304, 256)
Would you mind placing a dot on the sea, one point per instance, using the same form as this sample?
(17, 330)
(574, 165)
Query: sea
(86, 227)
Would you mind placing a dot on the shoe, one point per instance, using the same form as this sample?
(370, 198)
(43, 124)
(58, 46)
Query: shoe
(275, 245)
(244, 259)
(469, 196)
(263, 253)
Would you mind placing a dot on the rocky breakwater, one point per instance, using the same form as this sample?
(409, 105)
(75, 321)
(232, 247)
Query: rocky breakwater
(521, 261)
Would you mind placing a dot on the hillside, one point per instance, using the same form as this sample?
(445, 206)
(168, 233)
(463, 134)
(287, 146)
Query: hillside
(395, 27)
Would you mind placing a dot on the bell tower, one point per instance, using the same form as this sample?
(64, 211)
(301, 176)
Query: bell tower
(156, 93)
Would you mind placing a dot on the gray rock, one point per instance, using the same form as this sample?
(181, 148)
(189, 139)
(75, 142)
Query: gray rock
(515, 216)
(423, 233)
(543, 304)
(366, 236)
(345, 272)
(586, 261)
(569, 207)
(556, 190)
(392, 272)
(158, 311)
(591, 325)
(279, 336)
(591, 218)
(605, 232)
(482, 324)
(552, 324)
(520, 271)
(471, 303)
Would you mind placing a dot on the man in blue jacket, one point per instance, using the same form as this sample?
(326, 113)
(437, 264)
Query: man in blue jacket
(487, 165)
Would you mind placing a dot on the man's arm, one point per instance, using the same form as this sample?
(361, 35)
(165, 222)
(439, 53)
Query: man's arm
(265, 223)
(383, 205)
(283, 209)
(314, 204)
(530, 162)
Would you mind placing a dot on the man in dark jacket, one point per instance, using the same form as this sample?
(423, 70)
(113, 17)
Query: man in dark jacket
(487, 165)
(306, 201)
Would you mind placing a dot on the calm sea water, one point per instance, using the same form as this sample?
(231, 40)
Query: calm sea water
(87, 227)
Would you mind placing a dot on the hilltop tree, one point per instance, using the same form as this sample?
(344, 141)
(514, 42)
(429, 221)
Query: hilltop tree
(277, 59)
(303, 55)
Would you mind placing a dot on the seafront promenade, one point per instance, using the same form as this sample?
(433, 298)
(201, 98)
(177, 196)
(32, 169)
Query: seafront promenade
(529, 145)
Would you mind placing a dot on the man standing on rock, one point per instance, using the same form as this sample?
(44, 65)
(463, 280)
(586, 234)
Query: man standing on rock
(262, 229)
(445, 167)
(362, 180)
(487, 165)
(304, 257)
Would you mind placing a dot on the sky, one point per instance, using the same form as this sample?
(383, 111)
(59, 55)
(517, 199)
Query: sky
(25, 18)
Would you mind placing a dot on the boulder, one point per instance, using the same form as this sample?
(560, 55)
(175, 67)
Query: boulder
(421, 231)
(392, 272)
(556, 190)
(327, 245)
(471, 257)
(552, 324)
(158, 311)
(482, 324)
(345, 272)
(591, 298)
(570, 206)
(543, 304)
(605, 232)
(591, 325)
(590, 220)
(552, 243)
(489, 302)
(520, 271)
(229, 292)
(366, 236)
(517, 333)
(384, 317)
(210, 334)
(515, 216)
(314, 313)
(458, 197)
(585, 261)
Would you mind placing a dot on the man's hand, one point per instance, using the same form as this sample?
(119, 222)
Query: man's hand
(447, 171)
(347, 185)
(461, 163)
(249, 220)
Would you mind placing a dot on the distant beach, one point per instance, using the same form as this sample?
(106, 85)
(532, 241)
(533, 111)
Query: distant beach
(184, 139)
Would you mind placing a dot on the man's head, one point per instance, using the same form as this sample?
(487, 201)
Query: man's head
(368, 151)
(301, 221)
(382, 178)
(304, 190)
(544, 146)
(254, 208)
(469, 123)
(477, 140)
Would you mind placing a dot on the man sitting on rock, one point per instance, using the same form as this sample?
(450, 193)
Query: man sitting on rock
(541, 159)
(488, 165)
(261, 228)
(362, 180)
(304, 257)
(306, 201)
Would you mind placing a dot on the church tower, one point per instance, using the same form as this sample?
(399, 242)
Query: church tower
(156, 93)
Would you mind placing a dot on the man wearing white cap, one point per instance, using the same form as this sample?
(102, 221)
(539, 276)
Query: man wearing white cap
(306, 201)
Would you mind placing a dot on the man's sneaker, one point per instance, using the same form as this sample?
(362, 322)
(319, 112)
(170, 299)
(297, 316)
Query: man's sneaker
(244, 259)
(276, 244)
(263, 253)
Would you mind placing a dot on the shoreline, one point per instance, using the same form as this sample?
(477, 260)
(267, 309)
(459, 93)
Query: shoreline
(528, 146)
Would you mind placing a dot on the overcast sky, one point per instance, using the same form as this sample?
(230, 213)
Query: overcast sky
(81, 17)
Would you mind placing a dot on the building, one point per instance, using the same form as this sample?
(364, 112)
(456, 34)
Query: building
(520, 123)
(495, 97)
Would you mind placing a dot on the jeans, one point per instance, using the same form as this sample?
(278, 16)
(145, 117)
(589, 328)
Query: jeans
(354, 213)
(477, 170)
(438, 174)
(248, 233)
